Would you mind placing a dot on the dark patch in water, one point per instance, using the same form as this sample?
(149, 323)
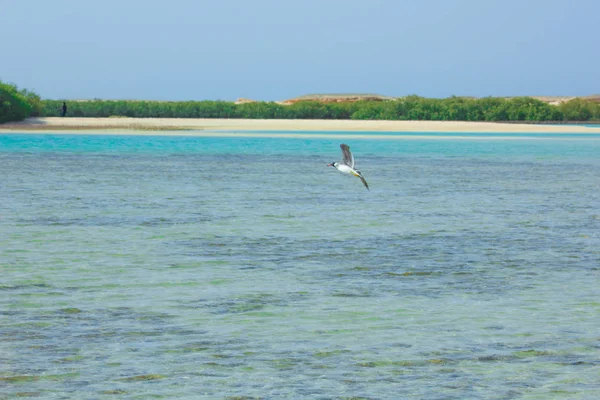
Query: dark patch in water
(149, 377)
(532, 353)
(113, 221)
(496, 358)
(114, 391)
(247, 303)
(25, 286)
(70, 310)
(351, 294)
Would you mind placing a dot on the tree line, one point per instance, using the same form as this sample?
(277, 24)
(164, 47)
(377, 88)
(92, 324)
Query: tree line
(18, 104)
(406, 108)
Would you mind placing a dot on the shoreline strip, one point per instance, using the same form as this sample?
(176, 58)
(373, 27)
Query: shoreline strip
(224, 127)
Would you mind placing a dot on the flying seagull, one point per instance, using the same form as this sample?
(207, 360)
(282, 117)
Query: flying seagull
(347, 164)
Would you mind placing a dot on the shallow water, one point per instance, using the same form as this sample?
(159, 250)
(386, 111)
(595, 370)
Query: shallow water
(178, 267)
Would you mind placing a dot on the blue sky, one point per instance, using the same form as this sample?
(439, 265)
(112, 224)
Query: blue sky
(279, 49)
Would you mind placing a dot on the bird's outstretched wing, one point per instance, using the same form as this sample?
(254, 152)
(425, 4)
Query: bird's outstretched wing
(364, 182)
(348, 159)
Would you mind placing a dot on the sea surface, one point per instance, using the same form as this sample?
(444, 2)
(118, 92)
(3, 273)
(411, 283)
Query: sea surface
(162, 267)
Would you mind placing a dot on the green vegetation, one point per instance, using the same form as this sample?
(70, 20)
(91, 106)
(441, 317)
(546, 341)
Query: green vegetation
(580, 110)
(406, 108)
(16, 105)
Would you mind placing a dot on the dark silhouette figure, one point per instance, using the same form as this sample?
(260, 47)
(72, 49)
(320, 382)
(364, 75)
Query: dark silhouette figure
(63, 109)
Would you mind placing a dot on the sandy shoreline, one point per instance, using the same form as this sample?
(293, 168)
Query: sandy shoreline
(203, 127)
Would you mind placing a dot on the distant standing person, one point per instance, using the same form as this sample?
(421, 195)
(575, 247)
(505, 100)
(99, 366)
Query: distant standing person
(63, 109)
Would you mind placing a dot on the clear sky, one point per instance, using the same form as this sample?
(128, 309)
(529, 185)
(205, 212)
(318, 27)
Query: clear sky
(279, 49)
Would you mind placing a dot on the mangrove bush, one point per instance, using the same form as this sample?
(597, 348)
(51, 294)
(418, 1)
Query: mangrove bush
(16, 105)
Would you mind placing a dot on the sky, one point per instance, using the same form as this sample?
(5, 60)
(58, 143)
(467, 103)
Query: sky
(281, 49)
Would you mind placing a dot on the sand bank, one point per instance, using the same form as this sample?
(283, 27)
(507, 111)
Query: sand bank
(201, 127)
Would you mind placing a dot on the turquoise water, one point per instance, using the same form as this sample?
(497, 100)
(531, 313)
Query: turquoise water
(187, 267)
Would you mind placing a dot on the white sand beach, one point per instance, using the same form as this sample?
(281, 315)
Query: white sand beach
(201, 127)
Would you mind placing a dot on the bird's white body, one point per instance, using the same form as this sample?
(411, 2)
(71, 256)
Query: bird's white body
(347, 165)
(345, 169)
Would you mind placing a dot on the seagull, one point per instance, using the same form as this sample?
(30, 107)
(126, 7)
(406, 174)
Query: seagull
(347, 164)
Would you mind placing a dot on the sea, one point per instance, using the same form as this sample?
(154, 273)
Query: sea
(181, 267)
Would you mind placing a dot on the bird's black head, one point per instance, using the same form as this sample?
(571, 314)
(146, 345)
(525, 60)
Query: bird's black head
(332, 164)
